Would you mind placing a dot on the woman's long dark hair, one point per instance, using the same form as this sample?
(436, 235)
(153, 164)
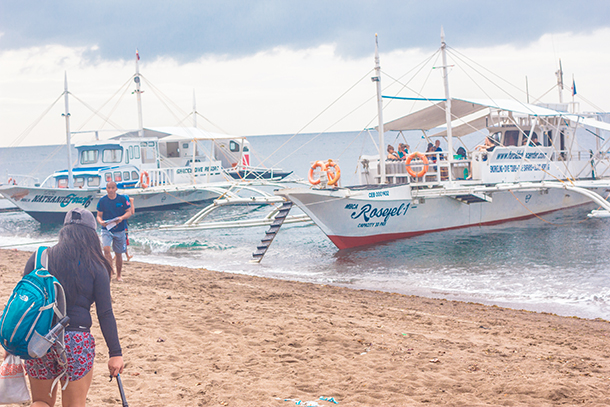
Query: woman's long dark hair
(78, 248)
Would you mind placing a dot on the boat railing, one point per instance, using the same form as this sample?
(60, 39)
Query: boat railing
(22, 180)
(159, 177)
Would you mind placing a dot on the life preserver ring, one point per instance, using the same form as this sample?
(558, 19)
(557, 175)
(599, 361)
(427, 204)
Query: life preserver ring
(421, 157)
(333, 180)
(11, 181)
(315, 165)
(144, 179)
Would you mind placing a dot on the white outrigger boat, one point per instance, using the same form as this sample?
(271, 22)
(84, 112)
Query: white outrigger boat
(157, 167)
(517, 179)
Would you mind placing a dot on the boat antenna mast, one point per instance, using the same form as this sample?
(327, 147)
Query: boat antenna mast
(68, 133)
(447, 99)
(559, 74)
(138, 92)
(377, 80)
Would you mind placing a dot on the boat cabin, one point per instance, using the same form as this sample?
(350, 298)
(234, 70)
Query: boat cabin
(164, 156)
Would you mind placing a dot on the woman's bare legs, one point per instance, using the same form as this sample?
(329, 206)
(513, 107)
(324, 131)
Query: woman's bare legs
(75, 394)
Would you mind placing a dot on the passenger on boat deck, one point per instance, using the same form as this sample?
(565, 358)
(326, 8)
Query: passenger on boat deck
(534, 141)
(407, 147)
(431, 149)
(489, 145)
(392, 154)
(460, 154)
(401, 152)
(437, 147)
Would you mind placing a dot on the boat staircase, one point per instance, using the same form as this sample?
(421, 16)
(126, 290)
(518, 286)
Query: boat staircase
(472, 198)
(274, 228)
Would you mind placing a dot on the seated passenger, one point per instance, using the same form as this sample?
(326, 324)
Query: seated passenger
(460, 154)
(392, 154)
(401, 152)
(534, 141)
(489, 145)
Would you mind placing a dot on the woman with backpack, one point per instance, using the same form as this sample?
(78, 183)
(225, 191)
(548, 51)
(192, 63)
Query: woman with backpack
(78, 263)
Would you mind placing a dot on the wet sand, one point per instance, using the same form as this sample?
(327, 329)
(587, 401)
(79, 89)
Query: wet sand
(200, 337)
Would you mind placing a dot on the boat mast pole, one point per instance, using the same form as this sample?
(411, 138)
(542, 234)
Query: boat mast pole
(193, 179)
(136, 79)
(447, 102)
(68, 133)
(377, 80)
(559, 74)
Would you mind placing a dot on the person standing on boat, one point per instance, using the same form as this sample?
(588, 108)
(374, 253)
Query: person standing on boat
(112, 212)
(391, 153)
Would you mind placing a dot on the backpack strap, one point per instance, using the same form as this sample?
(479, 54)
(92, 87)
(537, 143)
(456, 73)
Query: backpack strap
(39, 258)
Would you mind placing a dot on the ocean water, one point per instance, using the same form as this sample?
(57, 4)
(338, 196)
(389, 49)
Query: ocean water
(559, 266)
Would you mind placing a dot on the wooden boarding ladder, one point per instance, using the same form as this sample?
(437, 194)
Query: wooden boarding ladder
(274, 228)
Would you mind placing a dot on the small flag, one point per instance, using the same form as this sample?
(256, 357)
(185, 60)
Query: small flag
(573, 87)
(137, 55)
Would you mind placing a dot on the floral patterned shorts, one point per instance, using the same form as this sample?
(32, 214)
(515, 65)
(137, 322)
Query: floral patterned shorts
(80, 349)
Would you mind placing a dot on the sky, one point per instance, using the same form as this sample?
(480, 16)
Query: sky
(282, 66)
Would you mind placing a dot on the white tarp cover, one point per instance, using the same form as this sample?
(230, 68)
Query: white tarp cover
(179, 133)
(588, 121)
(434, 116)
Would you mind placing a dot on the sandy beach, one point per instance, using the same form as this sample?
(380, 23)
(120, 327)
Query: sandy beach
(200, 337)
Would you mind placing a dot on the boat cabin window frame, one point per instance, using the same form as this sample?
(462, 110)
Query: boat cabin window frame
(233, 146)
(136, 152)
(89, 156)
(117, 176)
(149, 152)
(134, 175)
(126, 176)
(108, 177)
(79, 182)
(109, 155)
(62, 182)
(93, 181)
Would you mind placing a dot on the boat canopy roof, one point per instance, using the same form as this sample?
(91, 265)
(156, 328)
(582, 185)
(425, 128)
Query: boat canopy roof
(179, 133)
(469, 115)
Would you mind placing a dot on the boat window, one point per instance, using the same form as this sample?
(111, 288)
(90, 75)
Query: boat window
(511, 138)
(185, 146)
(117, 176)
(233, 146)
(136, 152)
(79, 182)
(88, 156)
(93, 181)
(134, 175)
(112, 155)
(130, 151)
(108, 177)
(62, 182)
(246, 149)
(172, 149)
(496, 137)
(126, 175)
(149, 155)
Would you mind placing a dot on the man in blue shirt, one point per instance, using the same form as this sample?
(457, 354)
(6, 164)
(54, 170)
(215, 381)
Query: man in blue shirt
(112, 212)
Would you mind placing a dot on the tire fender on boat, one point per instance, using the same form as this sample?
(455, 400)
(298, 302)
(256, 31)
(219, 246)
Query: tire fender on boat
(421, 157)
(332, 180)
(315, 165)
(144, 179)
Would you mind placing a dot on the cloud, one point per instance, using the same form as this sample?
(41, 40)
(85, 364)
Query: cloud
(188, 29)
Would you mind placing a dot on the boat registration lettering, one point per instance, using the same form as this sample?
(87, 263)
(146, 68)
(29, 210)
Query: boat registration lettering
(376, 194)
(368, 212)
(64, 201)
(517, 167)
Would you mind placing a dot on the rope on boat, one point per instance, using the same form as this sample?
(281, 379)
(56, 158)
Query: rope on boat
(544, 220)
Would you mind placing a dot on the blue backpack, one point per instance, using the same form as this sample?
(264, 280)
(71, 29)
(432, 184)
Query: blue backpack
(30, 311)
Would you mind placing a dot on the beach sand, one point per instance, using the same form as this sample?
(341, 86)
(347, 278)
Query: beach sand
(198, 337)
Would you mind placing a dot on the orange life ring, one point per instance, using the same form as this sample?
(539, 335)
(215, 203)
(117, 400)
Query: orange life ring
(315, 165)
(421, 157)
(11, 181)
(144, 179)
(333, 180)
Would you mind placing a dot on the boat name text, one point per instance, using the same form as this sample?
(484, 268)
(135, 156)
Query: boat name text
(367, 213)
(517, 167)
(64, 201)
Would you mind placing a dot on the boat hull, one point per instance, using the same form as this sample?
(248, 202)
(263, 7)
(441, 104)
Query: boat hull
(49, 205)
(353, 218)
